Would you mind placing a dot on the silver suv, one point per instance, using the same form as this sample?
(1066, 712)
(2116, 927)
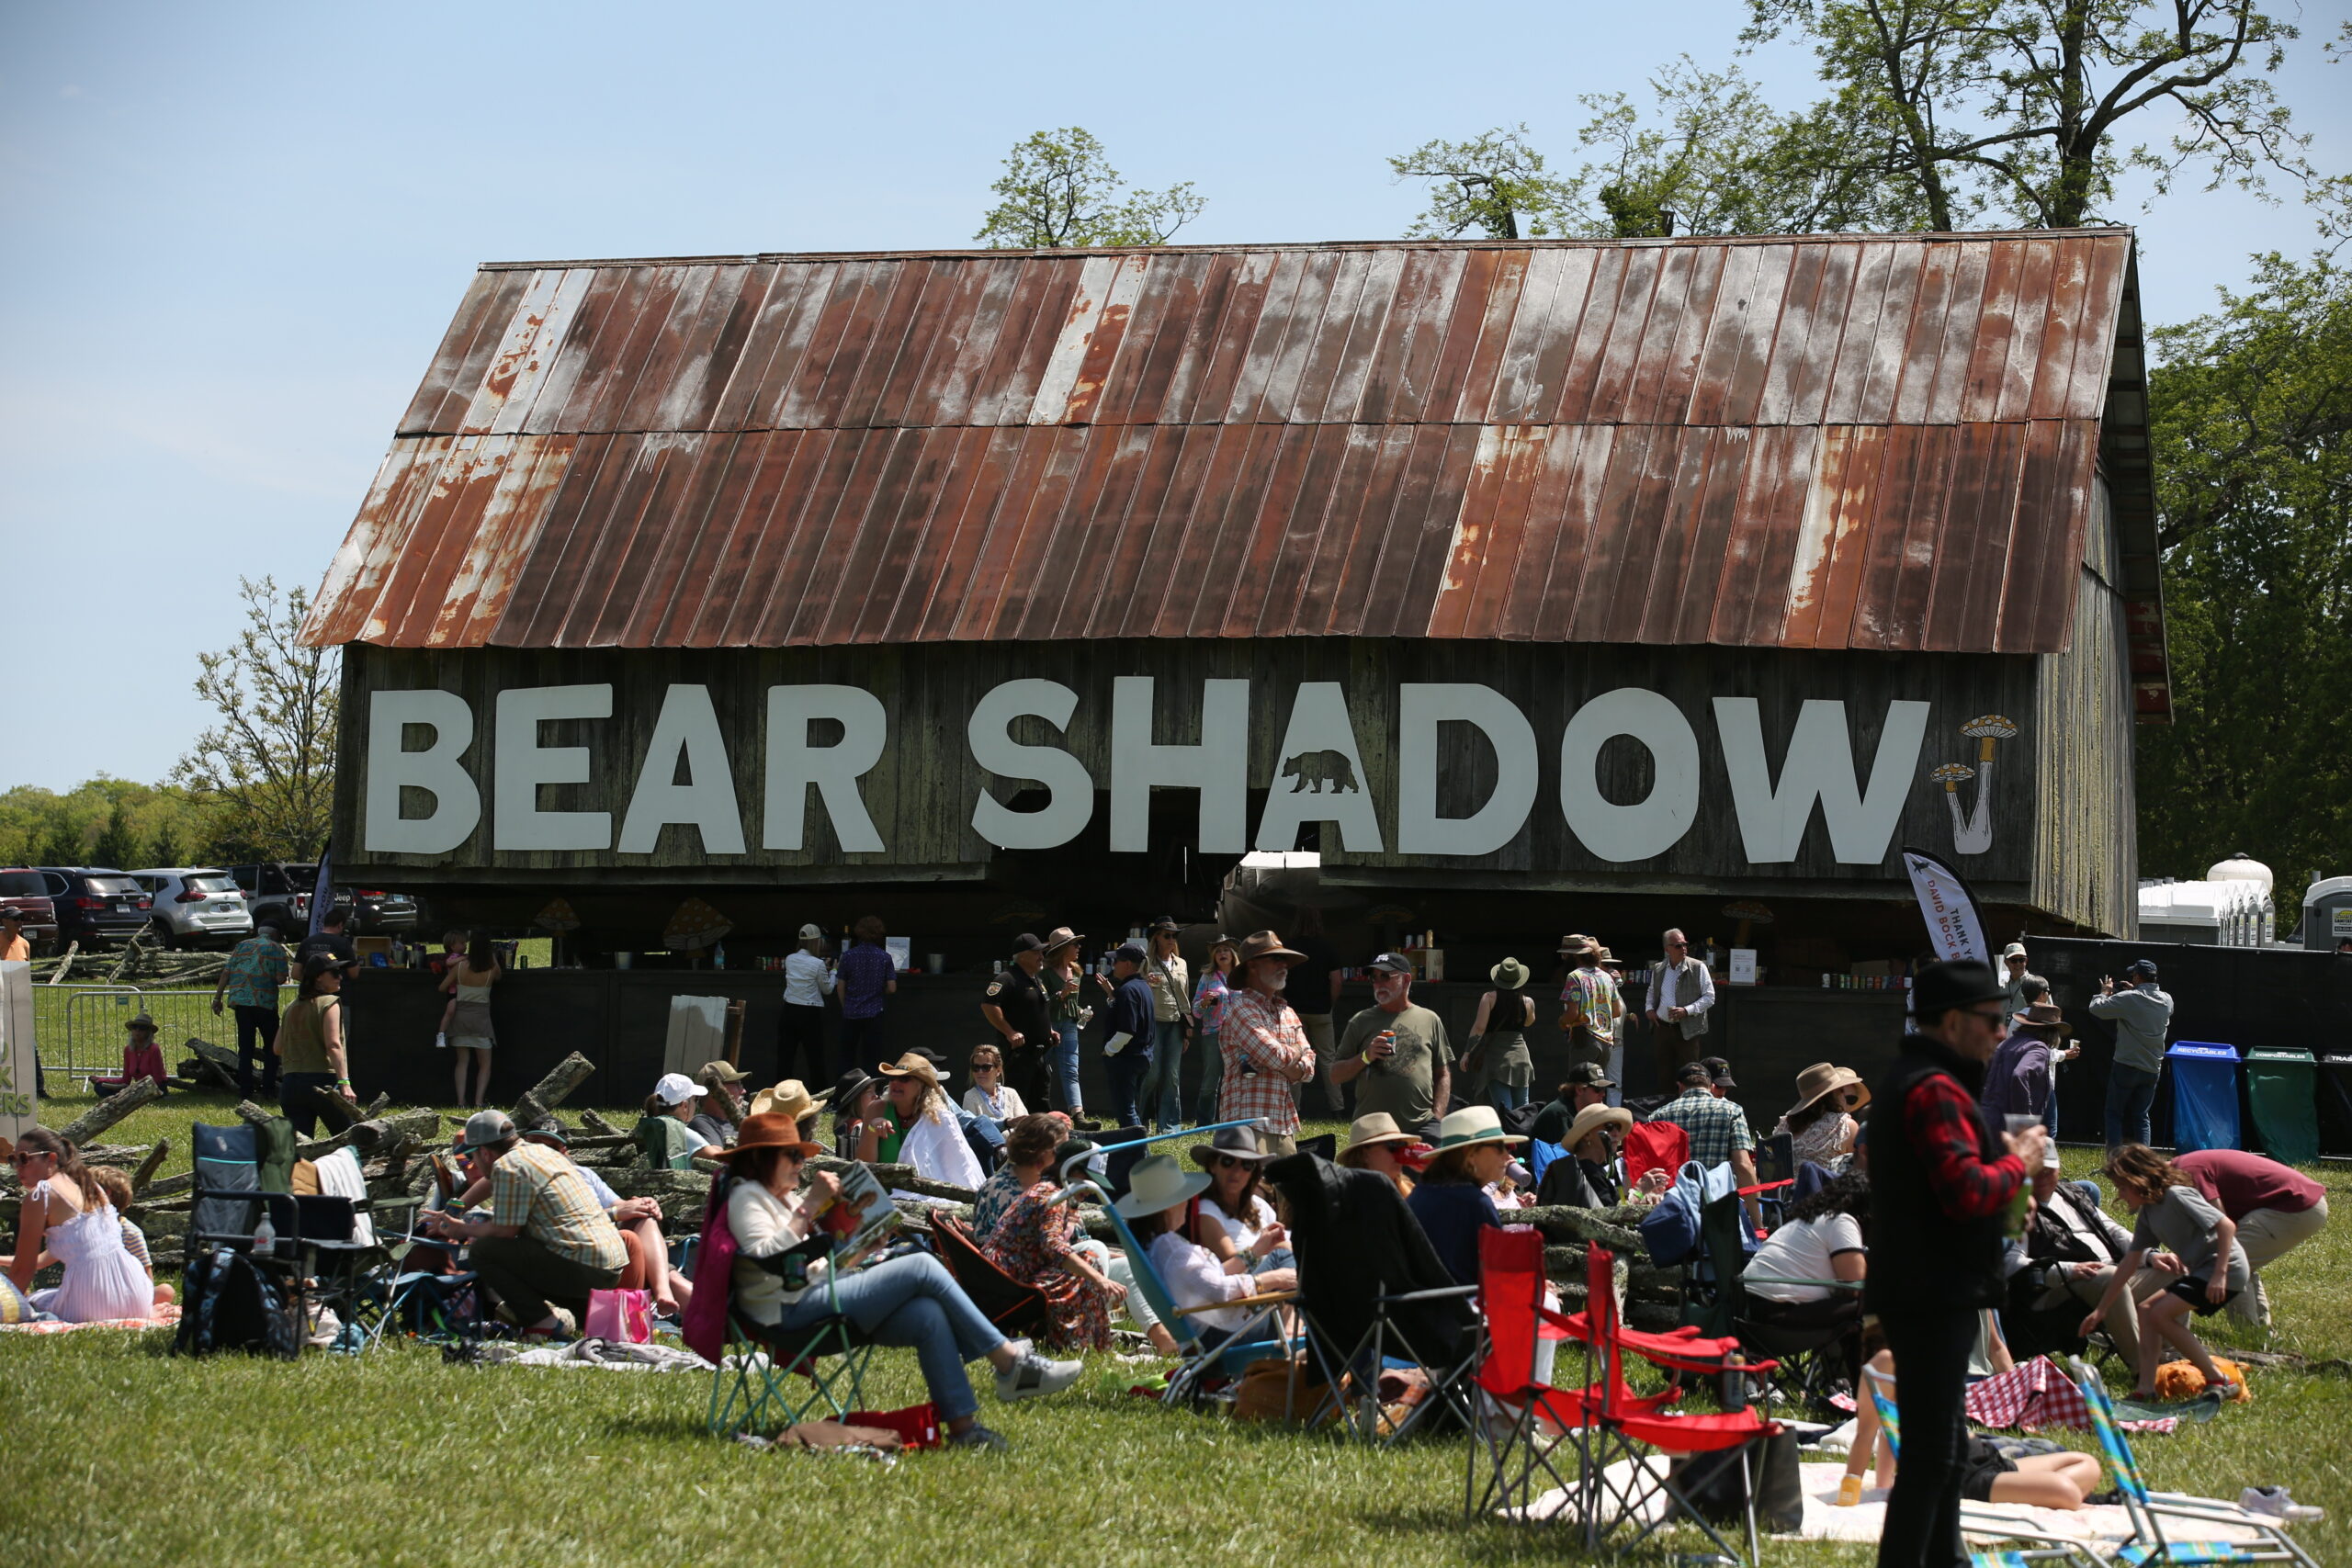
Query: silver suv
(195, 905)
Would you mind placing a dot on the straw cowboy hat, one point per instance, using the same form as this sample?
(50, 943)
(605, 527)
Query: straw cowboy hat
(1061, 937)
(1266, 944)
(913, 1064)
(765, 1130)
(1239, 1142)
(1826, 1078)
(1592, 1116)
(1159, 1184)
(790, 1098)
(1473, 1124)
(1511, 974)
(1365, 1132)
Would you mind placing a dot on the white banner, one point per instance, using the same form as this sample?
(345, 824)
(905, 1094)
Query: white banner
(1954, 929)
(18, 1083)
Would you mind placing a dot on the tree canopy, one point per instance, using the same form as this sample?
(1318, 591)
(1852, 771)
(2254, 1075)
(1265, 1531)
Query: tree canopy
(1059, 190)
(266, 768)
(2250, 416)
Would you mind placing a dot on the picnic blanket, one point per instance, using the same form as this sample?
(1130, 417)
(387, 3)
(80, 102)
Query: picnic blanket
(607, 1355)
(2101, 1528)
(2039, 1395)
(165, 1316)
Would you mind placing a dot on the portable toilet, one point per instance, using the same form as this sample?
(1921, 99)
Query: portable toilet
(2327, 913)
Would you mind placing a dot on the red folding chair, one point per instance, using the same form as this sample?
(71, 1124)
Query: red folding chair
(1624, 1424)
(1522, 1422)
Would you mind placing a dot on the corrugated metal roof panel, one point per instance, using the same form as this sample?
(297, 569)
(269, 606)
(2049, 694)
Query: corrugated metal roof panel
(1874, 442)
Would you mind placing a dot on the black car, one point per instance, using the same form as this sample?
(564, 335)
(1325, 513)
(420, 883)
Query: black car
(375, 913)
(96, 904)
(278, 893)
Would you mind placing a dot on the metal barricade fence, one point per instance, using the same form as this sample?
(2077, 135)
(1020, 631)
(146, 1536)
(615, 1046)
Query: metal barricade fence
(80, 1027)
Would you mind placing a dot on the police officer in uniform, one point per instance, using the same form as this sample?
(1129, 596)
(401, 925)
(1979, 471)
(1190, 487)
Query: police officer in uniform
(1019, 1010)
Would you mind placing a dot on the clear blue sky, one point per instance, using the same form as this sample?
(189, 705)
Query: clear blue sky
(236, 233)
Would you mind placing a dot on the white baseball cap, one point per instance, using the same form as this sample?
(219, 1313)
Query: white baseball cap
(675, 1089)
(2014, 950)
(810, 933)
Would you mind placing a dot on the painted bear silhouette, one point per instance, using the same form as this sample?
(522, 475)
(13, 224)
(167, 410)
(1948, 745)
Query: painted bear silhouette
(1313, 770)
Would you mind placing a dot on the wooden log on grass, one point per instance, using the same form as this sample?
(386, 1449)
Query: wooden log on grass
(215, 1064)
(146, 1171)
(538, 1102)
(110, 1109)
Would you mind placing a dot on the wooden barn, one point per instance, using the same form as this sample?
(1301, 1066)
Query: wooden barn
(1536, 586)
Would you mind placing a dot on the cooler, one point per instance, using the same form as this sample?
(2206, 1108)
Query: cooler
(2204, 1095)
(2282, 1090)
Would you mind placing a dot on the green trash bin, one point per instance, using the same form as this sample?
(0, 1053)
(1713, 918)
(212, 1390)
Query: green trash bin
(2282, 1088)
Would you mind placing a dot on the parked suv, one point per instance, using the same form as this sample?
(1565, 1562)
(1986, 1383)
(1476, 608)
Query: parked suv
(96, 904)
(378, 914)
(25, 891)
(277, 893)
(195, 905)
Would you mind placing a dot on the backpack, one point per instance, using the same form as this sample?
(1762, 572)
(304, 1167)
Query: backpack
(229, 1303)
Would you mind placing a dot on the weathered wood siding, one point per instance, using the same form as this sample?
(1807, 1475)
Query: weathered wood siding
(2086, 855)
(922, 793)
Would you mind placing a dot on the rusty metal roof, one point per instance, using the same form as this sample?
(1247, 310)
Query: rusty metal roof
(1865, 442)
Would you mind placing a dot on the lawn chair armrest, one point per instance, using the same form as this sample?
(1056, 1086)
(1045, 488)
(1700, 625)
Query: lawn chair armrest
(1443, 1293)
(1275, 1298)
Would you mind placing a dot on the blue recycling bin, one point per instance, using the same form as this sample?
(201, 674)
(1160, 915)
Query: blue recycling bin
(2204, 1095)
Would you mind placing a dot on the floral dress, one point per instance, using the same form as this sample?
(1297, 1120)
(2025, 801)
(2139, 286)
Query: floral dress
(1033, 1245)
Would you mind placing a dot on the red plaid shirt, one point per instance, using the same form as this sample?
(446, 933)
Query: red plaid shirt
(1942, 1121)
(1265, 1052)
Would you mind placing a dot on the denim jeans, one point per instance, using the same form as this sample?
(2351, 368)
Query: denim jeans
(1212, 1076)
(910, 1302)
(2129, 1093)
(1507, 1097)
(1163, 1089)
(1127, 1071)
(294, 1099)
(1070, 1096)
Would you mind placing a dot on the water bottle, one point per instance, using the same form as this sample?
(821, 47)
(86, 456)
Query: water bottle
(265, 1235)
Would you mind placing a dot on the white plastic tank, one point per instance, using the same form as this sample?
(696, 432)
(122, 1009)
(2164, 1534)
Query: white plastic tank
(2242, 867)
(2228, 913)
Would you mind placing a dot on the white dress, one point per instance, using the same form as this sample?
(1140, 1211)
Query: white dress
(103, 1280)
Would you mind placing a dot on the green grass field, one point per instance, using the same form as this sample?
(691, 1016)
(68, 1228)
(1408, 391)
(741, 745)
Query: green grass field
(121, 1455)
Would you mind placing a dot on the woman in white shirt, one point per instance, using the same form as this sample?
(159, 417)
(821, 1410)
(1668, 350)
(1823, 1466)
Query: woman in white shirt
(1234, 1217)
(989, 1094)
(1789, 1281)
(910, 1302)
(1157, 1192)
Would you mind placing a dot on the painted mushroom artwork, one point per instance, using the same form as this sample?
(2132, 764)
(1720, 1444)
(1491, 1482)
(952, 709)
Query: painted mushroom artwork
(1972, 834)
(1949, 775)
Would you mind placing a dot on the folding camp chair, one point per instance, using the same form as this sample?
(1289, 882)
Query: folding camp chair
(2148, 1510)
(1981, 1521)
(1199, 1359)
(753, 1368)
(1522, 1422)
(1381, 1309)
(418, 1290)
(1810, 1362)
(1014, 1307)
(1622, 1425)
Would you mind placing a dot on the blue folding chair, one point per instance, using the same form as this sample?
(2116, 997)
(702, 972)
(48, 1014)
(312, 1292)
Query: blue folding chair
(1981, 1521)
(2150, 1509)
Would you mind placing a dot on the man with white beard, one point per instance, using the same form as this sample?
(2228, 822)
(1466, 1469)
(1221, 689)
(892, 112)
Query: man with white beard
(1396, 1053)
(1264, 1046)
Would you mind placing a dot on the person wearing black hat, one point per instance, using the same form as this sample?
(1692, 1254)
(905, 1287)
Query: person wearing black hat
(309, 1045)
(2142, 1017)
(1584, 1083)
(1126, 1043)
(856, 1099)
(1018, 1007)
(1943, 1182)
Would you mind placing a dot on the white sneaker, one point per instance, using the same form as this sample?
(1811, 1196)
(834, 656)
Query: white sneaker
(2278, 1504)
(1033, 1377)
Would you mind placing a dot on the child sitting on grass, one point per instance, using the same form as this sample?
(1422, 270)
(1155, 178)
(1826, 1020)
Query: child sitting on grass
(2039, 1481)
(116, 1185)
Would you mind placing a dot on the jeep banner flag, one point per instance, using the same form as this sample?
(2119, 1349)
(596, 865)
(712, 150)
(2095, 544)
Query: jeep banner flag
(1954, 927)
(19, 1078)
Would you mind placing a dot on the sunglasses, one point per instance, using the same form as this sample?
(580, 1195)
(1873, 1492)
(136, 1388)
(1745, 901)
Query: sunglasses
(1231, 1162)
(988, 1066)
(1995, 1017)
(20, 1160)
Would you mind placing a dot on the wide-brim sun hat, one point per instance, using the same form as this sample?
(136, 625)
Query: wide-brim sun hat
(1159, 1184)
(791, 1098)
(1593, 1116)
(1242, 1143)
(765, 1130)
(1472, 1125)
(846, 1089)
(913, 1064)
(1511, 974)
(1266, 944)
(1061, 937)
(1826, 1077)
(1373, 1130)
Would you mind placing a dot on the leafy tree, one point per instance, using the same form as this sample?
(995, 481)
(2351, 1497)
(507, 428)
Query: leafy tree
(1059, 191)
(2019, 106)
(164, 849)
(2251, 420)
(65, 843)
(1493, 184)
(117, 845)
(268, 767)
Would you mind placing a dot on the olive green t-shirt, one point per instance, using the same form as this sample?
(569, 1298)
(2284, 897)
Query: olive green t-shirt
(301, 1036)
(1404, 1084)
